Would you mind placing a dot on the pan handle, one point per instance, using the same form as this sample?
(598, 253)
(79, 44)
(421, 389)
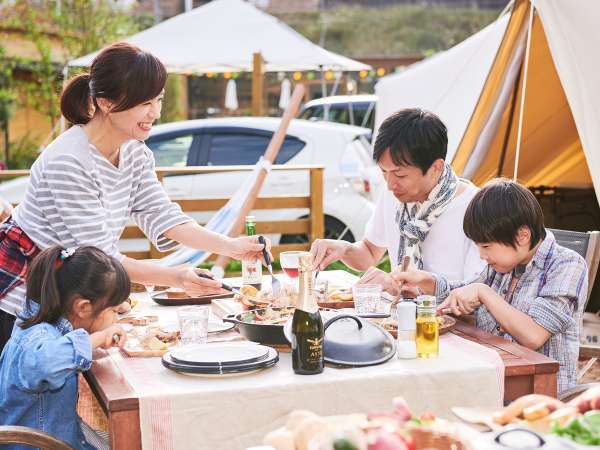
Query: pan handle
(230, 318)
(343, 316)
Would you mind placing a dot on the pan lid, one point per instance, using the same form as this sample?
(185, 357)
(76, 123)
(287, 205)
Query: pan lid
(353, 341)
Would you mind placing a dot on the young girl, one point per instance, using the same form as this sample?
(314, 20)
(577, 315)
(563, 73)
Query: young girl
(72, 298)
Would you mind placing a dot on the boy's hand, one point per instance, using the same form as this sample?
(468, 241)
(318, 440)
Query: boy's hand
(113, 336)
(461, 301)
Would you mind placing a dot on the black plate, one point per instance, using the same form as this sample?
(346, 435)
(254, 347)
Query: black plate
(169, 363)
(162, 299)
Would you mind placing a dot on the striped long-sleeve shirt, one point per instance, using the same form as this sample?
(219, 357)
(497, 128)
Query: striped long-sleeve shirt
(77, 197)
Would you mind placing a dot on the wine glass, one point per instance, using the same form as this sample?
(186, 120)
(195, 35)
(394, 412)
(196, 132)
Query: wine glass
(290, 264)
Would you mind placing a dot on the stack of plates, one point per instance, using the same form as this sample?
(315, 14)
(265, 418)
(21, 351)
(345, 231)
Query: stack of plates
(220, 359)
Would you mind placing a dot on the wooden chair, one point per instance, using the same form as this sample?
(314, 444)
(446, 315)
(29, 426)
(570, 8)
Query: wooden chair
(588, 246)
(31, 437)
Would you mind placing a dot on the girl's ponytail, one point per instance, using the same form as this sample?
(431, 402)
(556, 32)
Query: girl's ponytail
(42, 285)
(75, 100)
(57, 277)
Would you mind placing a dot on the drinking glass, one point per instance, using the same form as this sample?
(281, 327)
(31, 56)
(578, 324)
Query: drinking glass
(193, 324)
(290, 263)
(366, 298)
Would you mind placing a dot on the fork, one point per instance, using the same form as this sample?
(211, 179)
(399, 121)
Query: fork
(275, 283)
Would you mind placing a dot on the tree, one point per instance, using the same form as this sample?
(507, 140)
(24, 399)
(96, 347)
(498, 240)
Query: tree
(7, 98)
(60, 30)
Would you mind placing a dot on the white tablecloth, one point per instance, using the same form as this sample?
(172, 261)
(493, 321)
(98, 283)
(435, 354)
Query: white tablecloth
(184, 412)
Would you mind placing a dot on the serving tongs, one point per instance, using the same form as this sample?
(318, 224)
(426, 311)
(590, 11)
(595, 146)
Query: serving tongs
(275, 283)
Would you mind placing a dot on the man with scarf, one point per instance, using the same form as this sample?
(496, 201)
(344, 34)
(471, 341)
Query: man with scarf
(418, 218)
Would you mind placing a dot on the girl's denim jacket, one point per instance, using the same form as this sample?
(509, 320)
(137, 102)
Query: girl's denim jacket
(39, 378)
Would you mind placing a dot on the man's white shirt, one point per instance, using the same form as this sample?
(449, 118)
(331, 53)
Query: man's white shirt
(445, 251)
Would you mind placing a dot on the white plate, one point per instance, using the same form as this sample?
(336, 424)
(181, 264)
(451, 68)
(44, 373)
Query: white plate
(217, 327)
(220, 353)
(219, 375)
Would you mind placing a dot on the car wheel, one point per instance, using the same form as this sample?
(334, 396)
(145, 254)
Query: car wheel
(334, 229)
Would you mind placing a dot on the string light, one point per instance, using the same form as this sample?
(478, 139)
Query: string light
(227, 75)
(380, 72)
(363, 74)
(297, 76)
(329, 75)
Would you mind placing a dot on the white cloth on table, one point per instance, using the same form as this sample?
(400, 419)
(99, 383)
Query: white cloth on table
(184, 412)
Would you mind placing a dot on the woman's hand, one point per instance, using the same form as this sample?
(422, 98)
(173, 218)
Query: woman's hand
(194, 285)
(464, 300)
(106, 338)
(248, 248)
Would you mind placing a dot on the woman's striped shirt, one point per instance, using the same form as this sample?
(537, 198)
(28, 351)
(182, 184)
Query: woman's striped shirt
(77, 197)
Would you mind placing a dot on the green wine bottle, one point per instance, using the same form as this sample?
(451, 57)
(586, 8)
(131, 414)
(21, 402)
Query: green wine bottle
(307, 325)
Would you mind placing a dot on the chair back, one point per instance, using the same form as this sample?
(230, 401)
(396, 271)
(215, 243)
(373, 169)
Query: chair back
(588, 246)
(31, 437)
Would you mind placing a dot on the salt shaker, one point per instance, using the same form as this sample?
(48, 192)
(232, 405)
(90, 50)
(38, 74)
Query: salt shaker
(406, 346)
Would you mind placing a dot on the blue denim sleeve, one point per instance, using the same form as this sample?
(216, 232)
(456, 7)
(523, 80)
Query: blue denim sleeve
(45, 361)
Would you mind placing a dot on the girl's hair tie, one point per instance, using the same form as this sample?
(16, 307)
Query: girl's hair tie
(67, 252)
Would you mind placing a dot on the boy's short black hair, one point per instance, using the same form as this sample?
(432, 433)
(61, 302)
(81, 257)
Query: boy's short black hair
(499, 209)
(414, 137)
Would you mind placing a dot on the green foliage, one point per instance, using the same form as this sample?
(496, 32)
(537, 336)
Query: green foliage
(58, 34)
(23, 152)
(393, 31)
(173, 108)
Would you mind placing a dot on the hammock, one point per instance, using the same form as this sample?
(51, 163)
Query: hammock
(222, 222)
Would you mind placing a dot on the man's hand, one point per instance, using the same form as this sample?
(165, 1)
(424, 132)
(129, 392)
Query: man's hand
(464, 300)
(377, 276)
(326, 251)
(412, 281)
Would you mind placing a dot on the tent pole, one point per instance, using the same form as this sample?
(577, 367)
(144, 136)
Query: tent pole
(258, 82)
(522, 107)
(509, 127)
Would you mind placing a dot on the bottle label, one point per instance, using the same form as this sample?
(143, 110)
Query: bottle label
(315, 350)
(251, 272)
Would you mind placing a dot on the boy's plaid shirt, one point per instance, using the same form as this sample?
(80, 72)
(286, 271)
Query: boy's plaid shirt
(552, 290)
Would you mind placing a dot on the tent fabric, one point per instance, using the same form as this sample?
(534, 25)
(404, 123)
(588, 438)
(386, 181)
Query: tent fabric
(222, 36)
(560, 139)
(448, 83)
(573, 39)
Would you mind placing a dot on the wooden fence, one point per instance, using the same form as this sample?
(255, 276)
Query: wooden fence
(313, 226)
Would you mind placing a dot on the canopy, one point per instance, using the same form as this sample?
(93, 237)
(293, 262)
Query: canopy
(560, 138)
(222, 36)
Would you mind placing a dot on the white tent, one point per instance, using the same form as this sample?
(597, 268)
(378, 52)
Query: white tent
(222, 36)
(476, 88)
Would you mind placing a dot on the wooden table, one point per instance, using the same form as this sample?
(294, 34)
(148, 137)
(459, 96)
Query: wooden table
(526, 372)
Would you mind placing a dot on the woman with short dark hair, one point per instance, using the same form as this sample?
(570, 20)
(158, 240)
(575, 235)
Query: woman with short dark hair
(90, 180)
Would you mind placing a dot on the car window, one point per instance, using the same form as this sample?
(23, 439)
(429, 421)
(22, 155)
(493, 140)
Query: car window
(312, 113)
(171, 152)
(245, 149)
(290, 148)
(234, 149)
(338, 113)
(360, 111)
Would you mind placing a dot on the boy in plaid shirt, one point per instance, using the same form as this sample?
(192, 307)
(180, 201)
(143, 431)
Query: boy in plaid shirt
(532, 290)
